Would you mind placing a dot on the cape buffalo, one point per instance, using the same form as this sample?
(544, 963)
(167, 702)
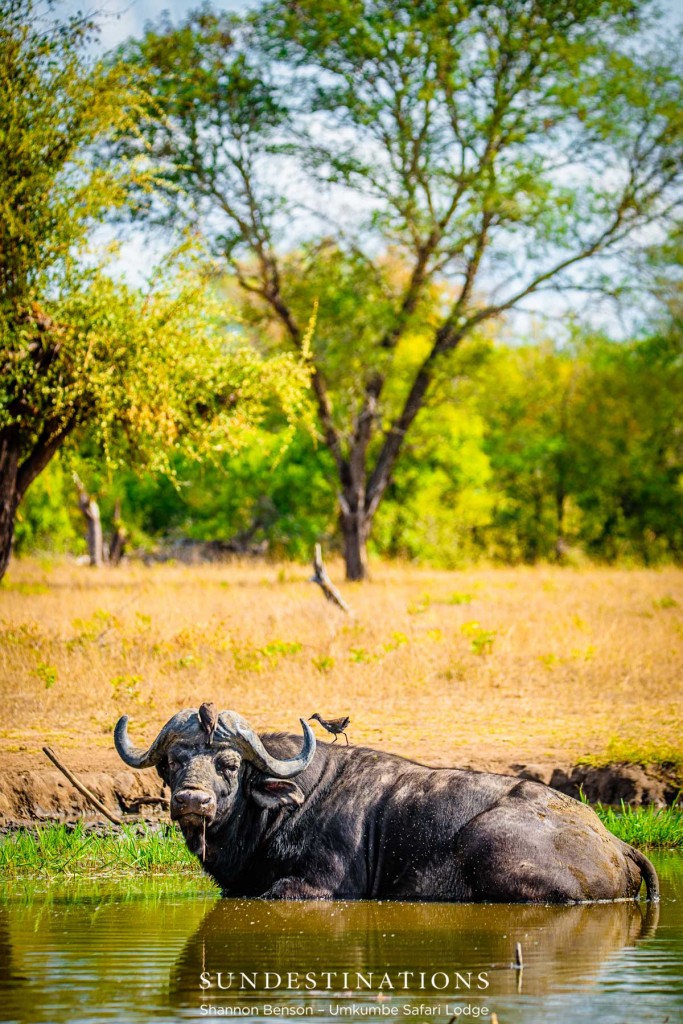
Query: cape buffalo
(362, 824)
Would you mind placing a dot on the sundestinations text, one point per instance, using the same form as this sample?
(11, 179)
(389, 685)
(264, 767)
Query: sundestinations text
(344, 980)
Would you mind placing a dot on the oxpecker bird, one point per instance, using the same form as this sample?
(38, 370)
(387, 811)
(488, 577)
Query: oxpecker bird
(208, 716)
(336, 726)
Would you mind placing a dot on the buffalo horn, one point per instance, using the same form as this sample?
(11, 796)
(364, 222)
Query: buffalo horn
(252, 748)
(182, 725)
(232, 731)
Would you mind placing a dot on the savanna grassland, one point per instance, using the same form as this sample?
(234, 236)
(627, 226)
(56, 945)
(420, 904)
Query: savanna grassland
(486, 667)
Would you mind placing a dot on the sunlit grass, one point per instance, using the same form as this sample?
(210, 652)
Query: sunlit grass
(651, 754)
(484, 666)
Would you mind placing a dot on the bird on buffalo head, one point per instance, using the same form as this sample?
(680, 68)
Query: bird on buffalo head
(208, 717)
(336, 726)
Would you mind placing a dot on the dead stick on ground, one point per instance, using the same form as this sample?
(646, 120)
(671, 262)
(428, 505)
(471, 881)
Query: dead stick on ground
(80, 787)
(325, 583)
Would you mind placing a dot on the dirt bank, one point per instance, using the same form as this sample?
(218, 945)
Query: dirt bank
(35, 795)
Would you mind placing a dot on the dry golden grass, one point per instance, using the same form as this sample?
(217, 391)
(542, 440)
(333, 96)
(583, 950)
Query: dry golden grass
(486, 667)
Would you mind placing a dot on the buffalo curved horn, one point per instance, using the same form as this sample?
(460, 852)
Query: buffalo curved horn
(183, 724)
(232, 730)
(251, 747)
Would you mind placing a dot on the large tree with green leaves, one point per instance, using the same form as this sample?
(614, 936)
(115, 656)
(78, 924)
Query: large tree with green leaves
(492, 151)
(145, 372)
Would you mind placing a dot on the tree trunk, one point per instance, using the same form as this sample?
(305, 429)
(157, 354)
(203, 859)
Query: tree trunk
(355, 528)
(91, 511)
(117, 545)
(560, 542)
(95, 542)
(17, 474)
(9, 500)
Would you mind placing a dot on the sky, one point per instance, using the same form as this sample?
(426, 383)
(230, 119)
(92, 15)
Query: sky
(124, 18)
(121, 19)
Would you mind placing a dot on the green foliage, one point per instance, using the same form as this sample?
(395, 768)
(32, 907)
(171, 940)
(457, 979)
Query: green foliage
(444, 112)
(441, 495)
(645, 826)
(47, 674)
(484, 479)
(57, 103)
(481, 640)
(60, 850)
(262, 491)
(443, 124)
(134, 376)
(47, 518)
(585, 446)
(148, 373)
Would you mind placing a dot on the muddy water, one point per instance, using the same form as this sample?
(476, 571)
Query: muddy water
(165, 951)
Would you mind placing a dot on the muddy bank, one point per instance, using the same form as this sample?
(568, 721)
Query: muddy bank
(607, 784)
(45, 795)
(36, 795)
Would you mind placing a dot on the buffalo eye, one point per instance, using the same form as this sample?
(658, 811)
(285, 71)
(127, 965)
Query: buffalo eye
(228, 767)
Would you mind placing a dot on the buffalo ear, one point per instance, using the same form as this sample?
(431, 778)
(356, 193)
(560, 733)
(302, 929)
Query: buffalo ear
(271, 793)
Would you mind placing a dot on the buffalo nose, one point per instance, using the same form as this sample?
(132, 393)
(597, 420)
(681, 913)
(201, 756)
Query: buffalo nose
(194, 801)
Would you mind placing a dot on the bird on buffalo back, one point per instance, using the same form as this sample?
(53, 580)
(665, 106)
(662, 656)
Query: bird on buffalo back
(335, 726)
(208, 717)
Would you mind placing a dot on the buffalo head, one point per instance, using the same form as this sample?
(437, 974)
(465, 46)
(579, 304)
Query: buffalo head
(208, 778)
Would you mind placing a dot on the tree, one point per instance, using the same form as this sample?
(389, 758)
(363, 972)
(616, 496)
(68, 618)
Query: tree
(495, 150)
(584, 443)
(627, 448)
(142, 375)
(528, 400)
(146, 372)
(55, 105)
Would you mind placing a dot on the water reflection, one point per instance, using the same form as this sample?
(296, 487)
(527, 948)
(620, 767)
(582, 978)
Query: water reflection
(119, 954)
(305, 954)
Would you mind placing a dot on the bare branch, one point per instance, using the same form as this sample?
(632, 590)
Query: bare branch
(90, 797)
(328, 588)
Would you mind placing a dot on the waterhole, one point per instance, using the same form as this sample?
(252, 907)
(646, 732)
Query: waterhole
(172, 950)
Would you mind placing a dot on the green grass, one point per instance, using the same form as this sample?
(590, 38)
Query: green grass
(51, 851)
(645, 826)
(63, 852)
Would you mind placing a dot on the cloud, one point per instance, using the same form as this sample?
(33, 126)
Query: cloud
(120, 19)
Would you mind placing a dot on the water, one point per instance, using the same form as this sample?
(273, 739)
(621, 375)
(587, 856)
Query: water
(113, 952)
